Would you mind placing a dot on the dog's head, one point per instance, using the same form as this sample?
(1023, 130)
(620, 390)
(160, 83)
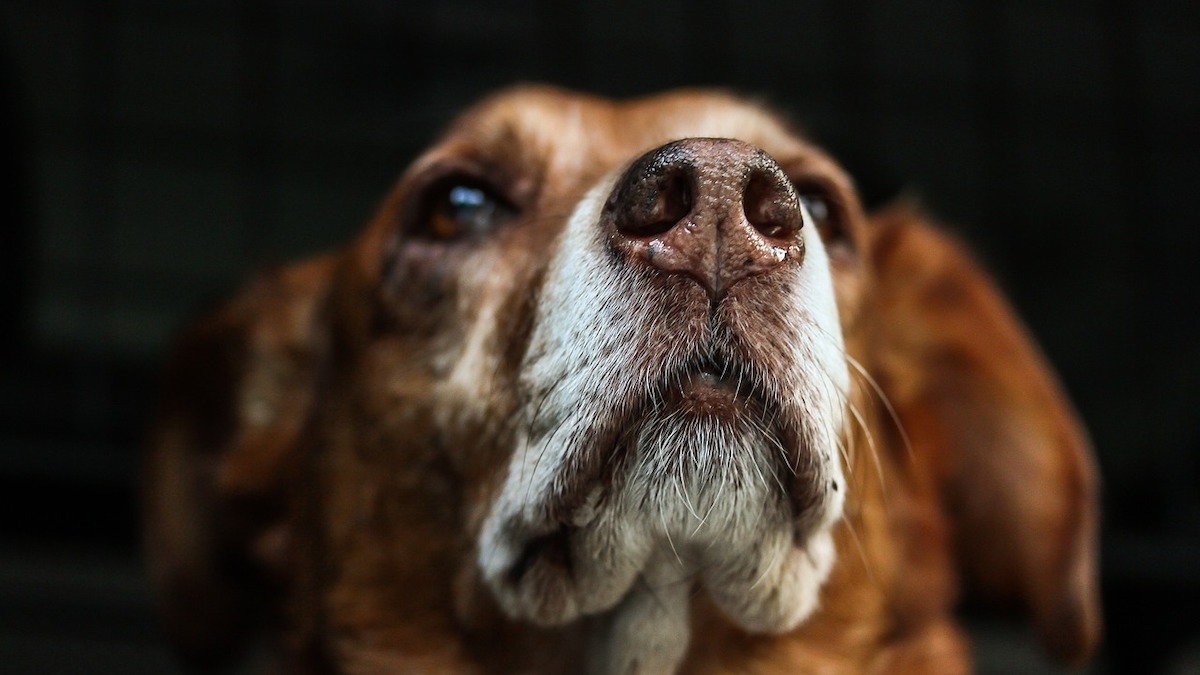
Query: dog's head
(593, 360)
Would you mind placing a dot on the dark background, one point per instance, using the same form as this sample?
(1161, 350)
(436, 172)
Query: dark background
(157, 152)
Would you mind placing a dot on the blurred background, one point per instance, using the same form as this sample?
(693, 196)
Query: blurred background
(155, 153)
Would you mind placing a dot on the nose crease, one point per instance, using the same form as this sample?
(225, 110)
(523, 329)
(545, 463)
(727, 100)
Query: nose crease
(717, 210)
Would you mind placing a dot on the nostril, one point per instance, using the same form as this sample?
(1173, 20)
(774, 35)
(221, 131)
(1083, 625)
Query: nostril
(771, 207)
(654, 205)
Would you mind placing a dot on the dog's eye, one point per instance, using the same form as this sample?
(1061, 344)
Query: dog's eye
(460, 209)
(825, 214)
(818, 209)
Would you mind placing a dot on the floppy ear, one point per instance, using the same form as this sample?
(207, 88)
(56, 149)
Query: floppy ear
(234, 399)
(980, 404)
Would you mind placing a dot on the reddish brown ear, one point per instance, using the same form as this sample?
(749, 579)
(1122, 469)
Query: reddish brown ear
(980, 404)
(235, 396)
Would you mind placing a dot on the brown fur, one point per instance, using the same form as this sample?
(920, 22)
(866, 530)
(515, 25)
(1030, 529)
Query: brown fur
(307, 482)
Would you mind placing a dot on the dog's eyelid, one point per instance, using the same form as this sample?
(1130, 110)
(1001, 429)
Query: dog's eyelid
(813, 186)
(496, 176)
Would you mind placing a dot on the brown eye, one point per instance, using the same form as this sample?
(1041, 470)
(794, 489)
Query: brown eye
(459, 208)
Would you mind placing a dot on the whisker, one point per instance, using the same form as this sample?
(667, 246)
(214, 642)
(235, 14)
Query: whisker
(887, 403)
(538, 461)
(707, 513)
(854, 411)
(537, 411)
(765, 433)
(666, 530)
(687, 502)
(842, 450)
(857, 365)
(759, 580)
(879, 394)
(862, 553)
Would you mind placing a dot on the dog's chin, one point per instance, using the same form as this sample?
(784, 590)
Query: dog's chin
(699, 477)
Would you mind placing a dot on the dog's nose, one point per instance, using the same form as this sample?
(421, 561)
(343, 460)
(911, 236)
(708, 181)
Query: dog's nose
(715, 209)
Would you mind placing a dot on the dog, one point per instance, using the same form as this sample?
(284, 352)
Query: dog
(618, 387)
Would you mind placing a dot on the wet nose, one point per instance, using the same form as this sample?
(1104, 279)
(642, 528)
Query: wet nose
(717, 210)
